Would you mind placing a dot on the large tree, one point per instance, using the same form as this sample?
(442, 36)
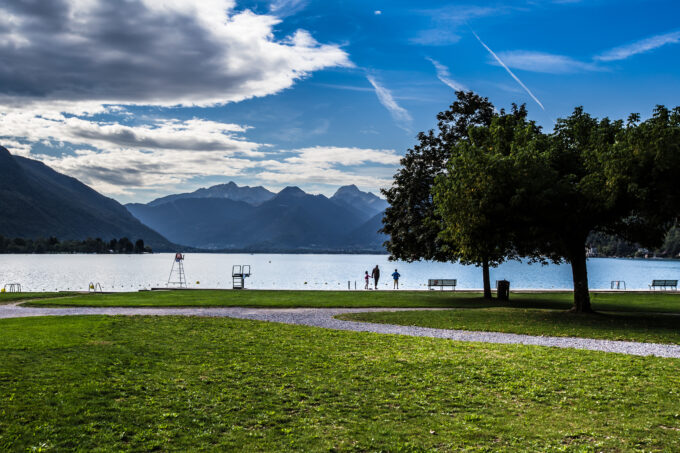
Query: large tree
(410, 220)
(588, 176)
(471, 197)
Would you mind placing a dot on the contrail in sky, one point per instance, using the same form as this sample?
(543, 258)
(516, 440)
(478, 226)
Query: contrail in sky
(493, 54)
(444, 75)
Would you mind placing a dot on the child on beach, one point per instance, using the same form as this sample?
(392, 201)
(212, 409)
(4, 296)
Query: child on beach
(395, 276)
(366, 277)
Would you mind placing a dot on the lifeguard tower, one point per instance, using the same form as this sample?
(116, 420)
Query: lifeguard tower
(177, 277)
(239, 272)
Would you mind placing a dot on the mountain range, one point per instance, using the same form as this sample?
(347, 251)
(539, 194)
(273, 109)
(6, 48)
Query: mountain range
(229, 217)
(36, 201)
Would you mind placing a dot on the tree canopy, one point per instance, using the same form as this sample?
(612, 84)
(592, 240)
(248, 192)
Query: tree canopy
(410, 220)
(541, 195)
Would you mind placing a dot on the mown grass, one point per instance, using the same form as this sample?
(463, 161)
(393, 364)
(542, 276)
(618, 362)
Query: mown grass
(639, 302)
(177, 384)
(6, 298)
(646, 327)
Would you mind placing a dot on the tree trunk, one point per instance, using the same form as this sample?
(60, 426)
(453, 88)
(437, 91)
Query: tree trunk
(487, 279)
(580, 275)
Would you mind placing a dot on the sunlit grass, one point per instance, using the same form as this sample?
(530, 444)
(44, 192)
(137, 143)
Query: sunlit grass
(647, 302)
(178, 384)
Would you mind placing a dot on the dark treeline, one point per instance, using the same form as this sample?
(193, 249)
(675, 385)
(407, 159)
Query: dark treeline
(607, 245)
(89, 245)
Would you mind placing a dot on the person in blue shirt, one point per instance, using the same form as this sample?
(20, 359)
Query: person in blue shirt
(395, 276)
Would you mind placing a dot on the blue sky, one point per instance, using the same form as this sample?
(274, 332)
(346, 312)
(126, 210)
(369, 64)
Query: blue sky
(145, 98)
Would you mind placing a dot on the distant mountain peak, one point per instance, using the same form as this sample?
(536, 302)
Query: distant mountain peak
(230, 191)
(366, 204)
(292, 191)
(352, 188)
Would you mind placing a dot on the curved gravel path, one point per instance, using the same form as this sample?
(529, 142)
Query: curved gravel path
(324, 317)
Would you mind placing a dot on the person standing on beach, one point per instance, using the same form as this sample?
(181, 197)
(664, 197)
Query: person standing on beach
(395, 276)
(366, 277)
(376, 276)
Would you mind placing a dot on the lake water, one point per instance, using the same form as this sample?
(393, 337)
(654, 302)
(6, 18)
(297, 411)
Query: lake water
(331, 272)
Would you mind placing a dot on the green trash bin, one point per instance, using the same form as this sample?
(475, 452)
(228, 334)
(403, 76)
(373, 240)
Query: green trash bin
(503, 290)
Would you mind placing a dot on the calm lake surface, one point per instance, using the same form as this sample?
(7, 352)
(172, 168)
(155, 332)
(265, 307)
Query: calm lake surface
(331, 272)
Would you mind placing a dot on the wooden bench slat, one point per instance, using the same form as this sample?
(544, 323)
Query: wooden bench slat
(442, 282)
(673, 284)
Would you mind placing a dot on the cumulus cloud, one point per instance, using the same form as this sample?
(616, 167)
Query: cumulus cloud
(120, 159)
(444, 75)
(638, 47)
(188, 135)
(125, 161)
(70, 67)
(178, 52)
(328, 165)
(399, 114)
(129, 170)
(321, 155)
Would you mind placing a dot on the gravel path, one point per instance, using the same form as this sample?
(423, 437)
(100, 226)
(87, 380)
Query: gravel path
(323, 317)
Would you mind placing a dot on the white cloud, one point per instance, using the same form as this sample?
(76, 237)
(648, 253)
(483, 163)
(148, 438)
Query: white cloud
(545, 62)
(435, 37)
(446, 21)
(399, 114)
(320, 155)
(287, 7)
(66, 64)
(188, 135)
(638, 47)
(178, 52)
(444, 75)
(120, 159)
(126, 171)
(126, 161)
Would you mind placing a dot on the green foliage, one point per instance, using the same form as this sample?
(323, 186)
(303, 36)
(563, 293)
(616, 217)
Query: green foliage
(471, 198)
(194, 384)
(410, 220)
(541, 195)
(53, 245)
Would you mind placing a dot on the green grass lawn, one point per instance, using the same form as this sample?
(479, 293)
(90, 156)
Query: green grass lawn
(6, 298)
(175, 384)
(639, 302)
(646, 327)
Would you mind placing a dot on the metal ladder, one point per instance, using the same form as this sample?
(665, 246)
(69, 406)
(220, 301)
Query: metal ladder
(238, 275)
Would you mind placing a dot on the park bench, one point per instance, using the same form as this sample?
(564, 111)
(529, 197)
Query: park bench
(664, 284)
(441, 283)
